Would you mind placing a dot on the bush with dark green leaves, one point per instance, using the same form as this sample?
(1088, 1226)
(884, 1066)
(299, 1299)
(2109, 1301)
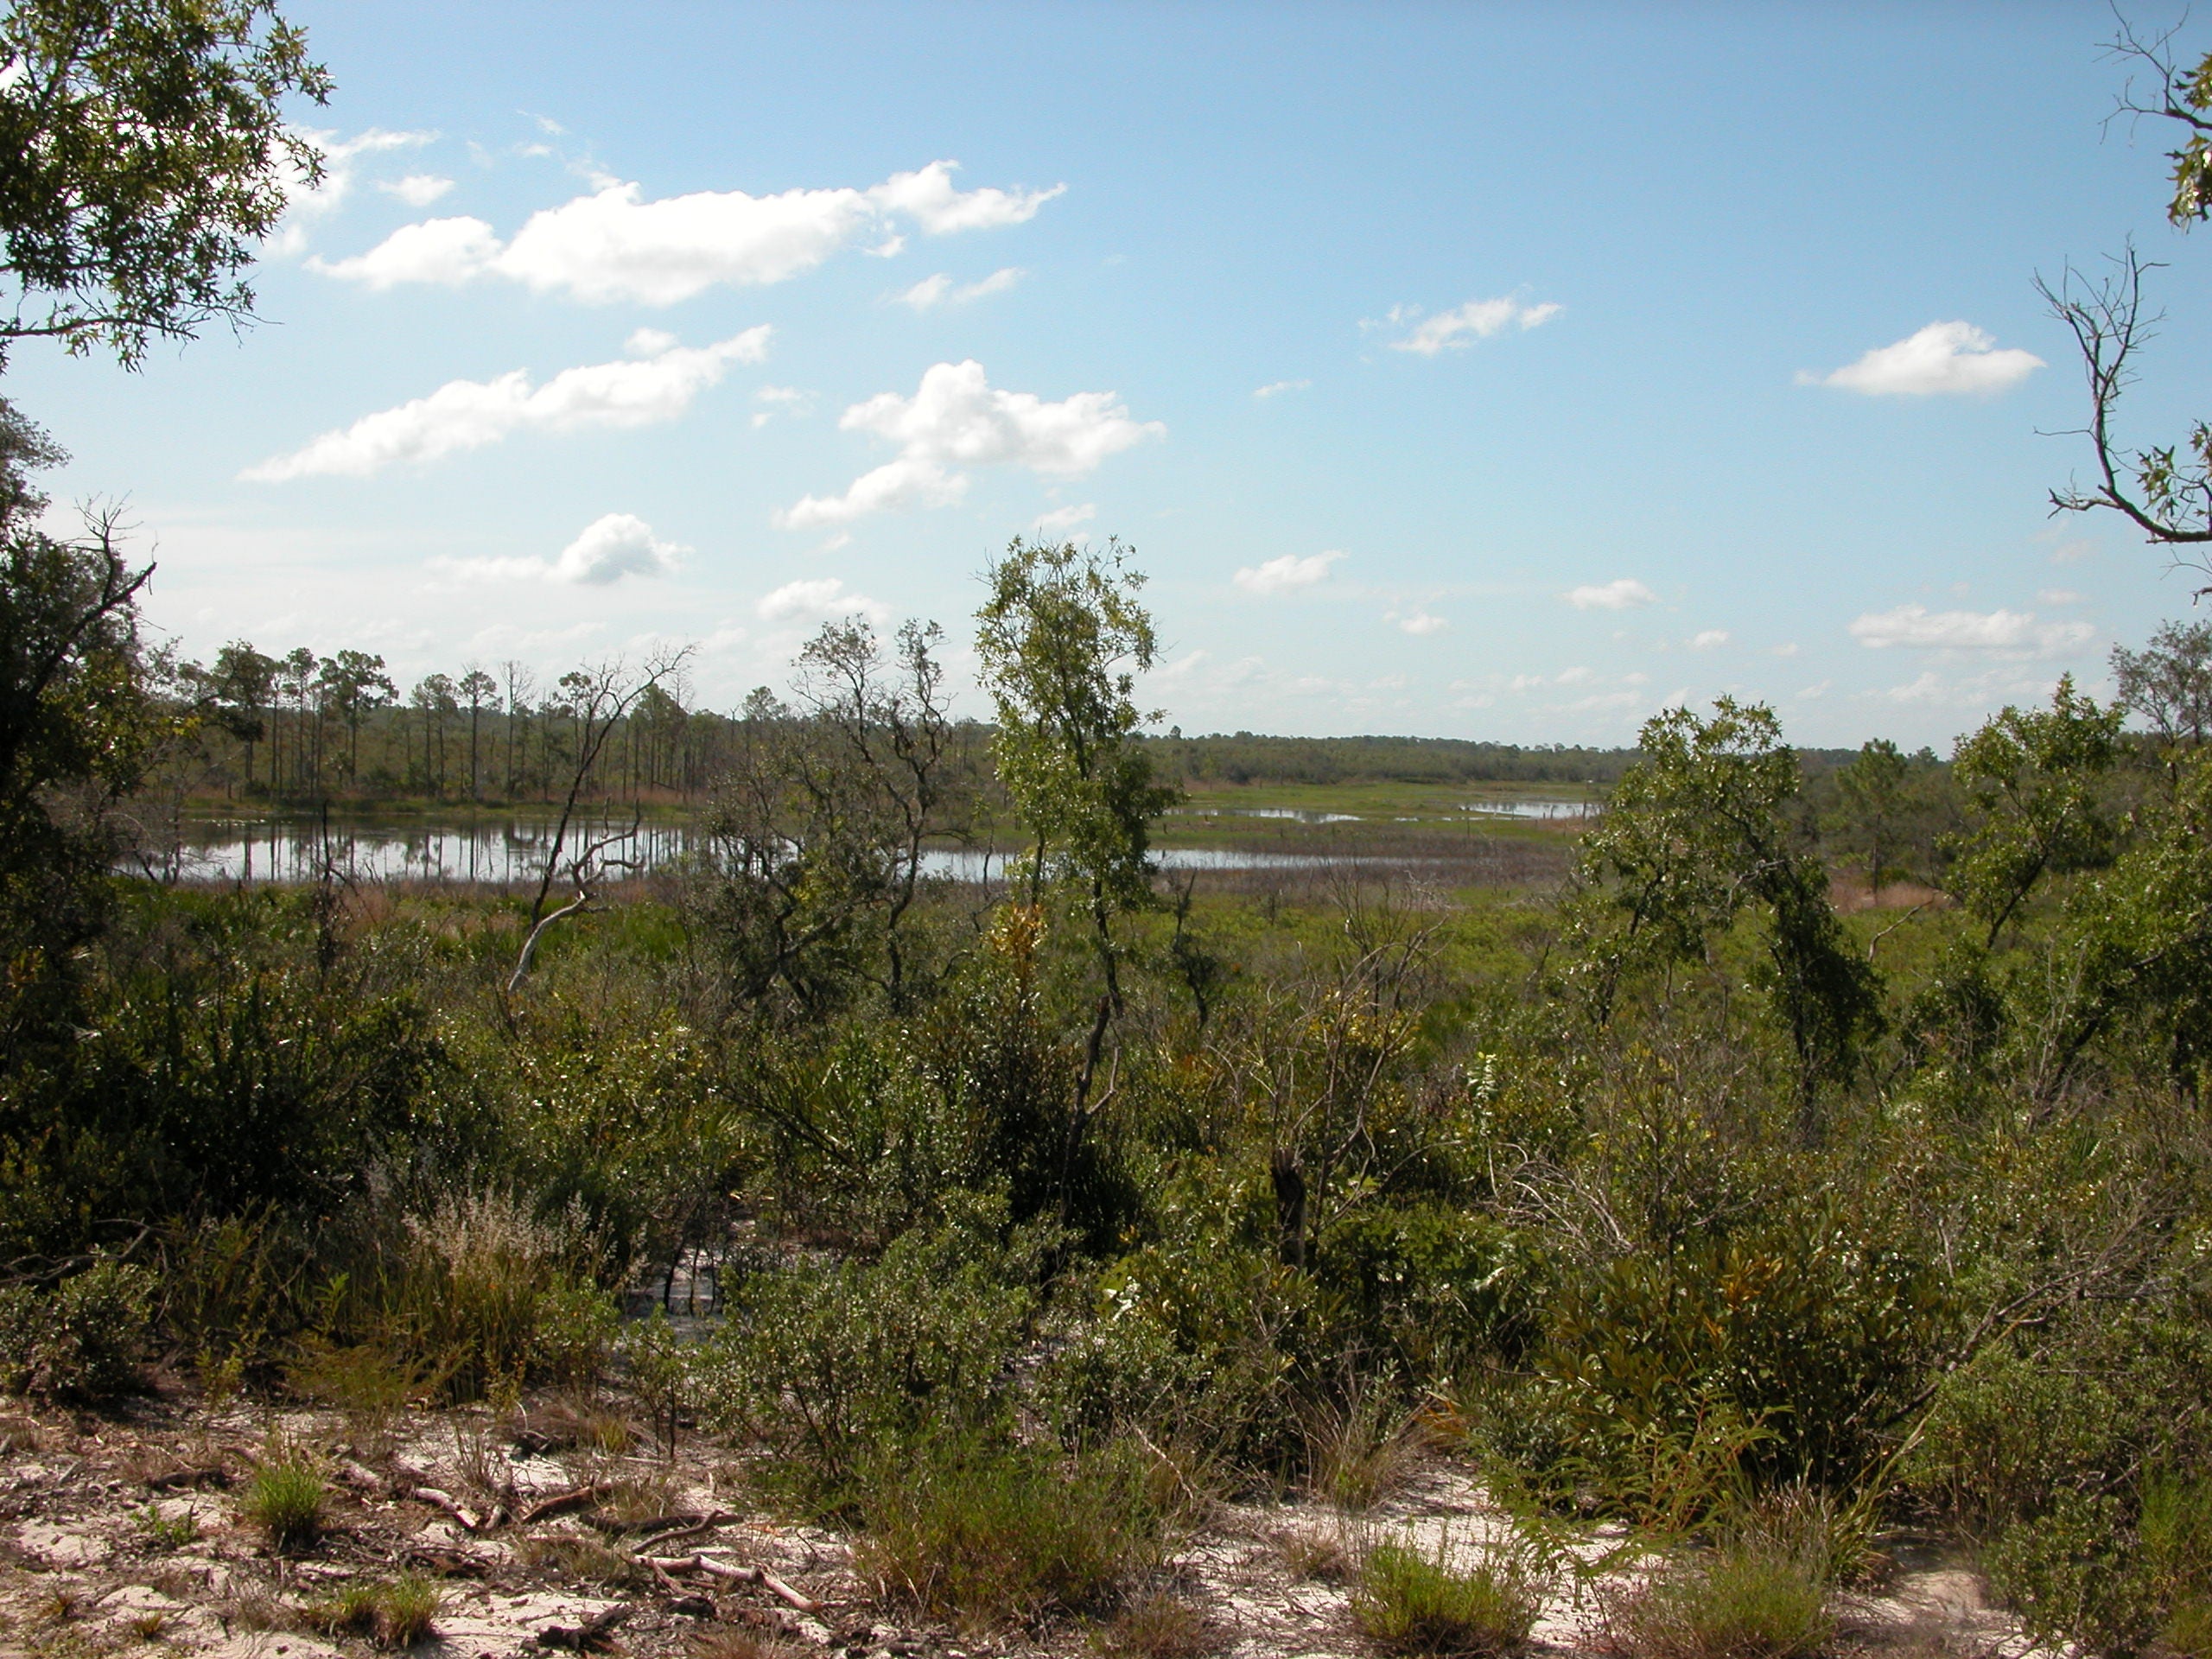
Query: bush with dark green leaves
(1803, 1327)
(837, 1363)
(81, 1340)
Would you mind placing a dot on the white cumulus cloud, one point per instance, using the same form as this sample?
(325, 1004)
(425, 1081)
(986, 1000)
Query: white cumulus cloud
(416, 190)
(615, 245)
(470, 414)
(611, 547)
(1060, 520)
(940, 289)
(616, 545)
(1916, 627)
(1460, 327)
(1421, 623)
(435, 250)
(1286, 573)
(1618, 595)
(1953, 358)
(1709, 640)
(957, 419)
(1276, 388)
(906, 482)
(818, 599)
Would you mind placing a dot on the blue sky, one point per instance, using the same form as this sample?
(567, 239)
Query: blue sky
(1454, 370)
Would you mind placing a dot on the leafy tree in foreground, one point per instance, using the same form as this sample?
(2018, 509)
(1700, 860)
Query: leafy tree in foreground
(1062, 642)
(143, 152)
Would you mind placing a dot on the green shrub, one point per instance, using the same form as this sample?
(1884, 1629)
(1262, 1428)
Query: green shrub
(835, 1365)
(1737, 1601)
(284, 1499)
(984, 1533)
(1804, 1326)
(83, 1339)
(20, 1329)
(2031, 1447)
(1408, 1602)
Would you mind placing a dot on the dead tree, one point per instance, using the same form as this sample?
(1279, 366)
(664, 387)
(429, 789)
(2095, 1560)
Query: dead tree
(598, 698)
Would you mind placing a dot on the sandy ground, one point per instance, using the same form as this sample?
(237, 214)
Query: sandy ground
(121, 1535)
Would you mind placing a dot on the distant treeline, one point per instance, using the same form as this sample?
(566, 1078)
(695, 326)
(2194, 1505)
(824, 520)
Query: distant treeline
(298, 729)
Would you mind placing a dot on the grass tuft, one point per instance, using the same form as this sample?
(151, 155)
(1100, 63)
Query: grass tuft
(1364, 1452)
(1408, 1602)
(993, 1536)
(396, 1614)
(1740, 1601)
(1320, 1556)
(284, 1499)
(1159, 1625)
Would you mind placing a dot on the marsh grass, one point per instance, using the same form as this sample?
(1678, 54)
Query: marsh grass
(1411, 1603)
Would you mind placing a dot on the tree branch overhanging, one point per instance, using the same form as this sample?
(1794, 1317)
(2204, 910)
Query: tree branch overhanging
(2166, 492)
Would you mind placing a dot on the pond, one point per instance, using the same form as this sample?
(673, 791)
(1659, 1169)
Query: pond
(1297, 814)
(506, 851)
(1549, 811)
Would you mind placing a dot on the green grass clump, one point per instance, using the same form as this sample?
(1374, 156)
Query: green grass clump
(396, 1614)
(1408, 1602)
(986, 1535)
(1737, 1602)
(284, 1499)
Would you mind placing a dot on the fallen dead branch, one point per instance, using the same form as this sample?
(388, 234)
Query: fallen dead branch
(562, 1503)
(730, 1573)
(466, 1518)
